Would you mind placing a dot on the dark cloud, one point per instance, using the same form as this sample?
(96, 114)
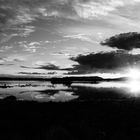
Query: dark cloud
(109, 61)
(52, 73)
(6, 64)
(25, 67)
(52, 67)
(18, 60)
(48, 67)
(6, 14)
(97, 62)
(125, 41)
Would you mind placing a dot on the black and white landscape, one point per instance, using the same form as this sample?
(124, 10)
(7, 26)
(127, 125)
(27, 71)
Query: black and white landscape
(69, 69)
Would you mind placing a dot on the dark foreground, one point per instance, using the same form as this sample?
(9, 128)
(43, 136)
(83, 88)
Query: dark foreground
(111, 120)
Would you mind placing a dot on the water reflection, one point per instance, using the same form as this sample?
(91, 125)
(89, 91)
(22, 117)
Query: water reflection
(134, 86)
(46, 91)
(59, 96)
(130, 88)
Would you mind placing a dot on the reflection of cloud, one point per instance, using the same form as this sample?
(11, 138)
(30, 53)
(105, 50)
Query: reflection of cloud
(38, 91)
(128, 88)
(103, 85)
(63, 96)
(60, 96)
(134, 87)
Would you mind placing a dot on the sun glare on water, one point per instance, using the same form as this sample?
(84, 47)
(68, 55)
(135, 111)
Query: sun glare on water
(134, 80)
(134, 74)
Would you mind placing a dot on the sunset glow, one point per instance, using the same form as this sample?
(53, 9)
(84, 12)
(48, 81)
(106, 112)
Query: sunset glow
(134, 74)
(134, 81)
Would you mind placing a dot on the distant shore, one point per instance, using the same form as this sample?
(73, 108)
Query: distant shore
(63, 79)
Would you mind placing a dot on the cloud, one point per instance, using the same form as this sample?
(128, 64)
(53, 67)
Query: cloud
(6, 64)
(94, 62)
(16, 17)
(29, 46)
(124, 41)
(8, 61)
(40, 63)
(52, 73)
(103, 61)
(3, 62)
(82, 37)
(49, 66)
(14, 58)
(25, 67)
(51, 69)
(89, 9)
(31, 73)
(13, 20)
(34, 43)
(63, 54)
(43, 65)
(5, 48)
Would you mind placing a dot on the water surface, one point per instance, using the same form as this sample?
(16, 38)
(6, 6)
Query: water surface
(42, 91)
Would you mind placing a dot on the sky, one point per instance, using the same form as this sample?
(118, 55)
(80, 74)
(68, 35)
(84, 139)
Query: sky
(58, 37)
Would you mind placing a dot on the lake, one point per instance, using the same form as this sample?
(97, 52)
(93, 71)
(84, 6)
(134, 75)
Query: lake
(104, 110)
(42, 91)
